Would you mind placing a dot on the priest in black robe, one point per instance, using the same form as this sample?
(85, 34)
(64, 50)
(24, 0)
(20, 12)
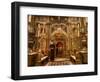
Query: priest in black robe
(52, 51)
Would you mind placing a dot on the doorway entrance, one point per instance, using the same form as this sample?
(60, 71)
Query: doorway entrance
(59, 49)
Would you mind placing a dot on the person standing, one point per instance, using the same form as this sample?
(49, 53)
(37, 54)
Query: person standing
(52, 51)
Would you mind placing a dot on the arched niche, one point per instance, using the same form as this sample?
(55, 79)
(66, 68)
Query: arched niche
(59, 37)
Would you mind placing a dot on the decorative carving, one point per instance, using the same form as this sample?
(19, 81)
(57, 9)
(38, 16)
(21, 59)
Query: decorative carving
(68, 34)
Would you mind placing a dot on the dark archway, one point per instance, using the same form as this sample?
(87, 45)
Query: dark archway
(59, 49)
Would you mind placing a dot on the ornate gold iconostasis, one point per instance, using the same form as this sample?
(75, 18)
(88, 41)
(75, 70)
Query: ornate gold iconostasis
(57, 38)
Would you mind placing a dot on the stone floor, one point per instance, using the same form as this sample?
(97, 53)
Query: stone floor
(59, 61)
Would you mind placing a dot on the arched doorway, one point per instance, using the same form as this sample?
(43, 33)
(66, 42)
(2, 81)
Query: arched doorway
(59, 37)
(59, 49)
